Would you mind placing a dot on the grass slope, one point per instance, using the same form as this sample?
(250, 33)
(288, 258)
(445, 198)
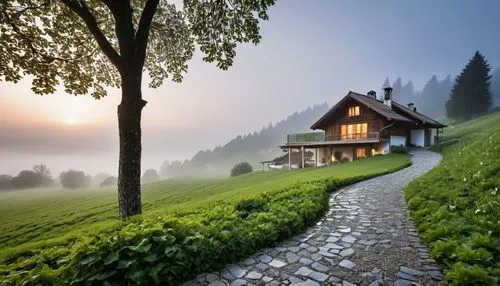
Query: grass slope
(457, 205)
(35, 216)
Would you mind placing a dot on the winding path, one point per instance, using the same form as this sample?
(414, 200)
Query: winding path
(366, 238)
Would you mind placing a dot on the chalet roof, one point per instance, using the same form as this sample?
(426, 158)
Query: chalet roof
(416, 115)
(372, 103)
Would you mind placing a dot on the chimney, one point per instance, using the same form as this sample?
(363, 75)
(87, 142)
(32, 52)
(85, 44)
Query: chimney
(388, 96)
(414, 109)
(411, 105)
(372, 94)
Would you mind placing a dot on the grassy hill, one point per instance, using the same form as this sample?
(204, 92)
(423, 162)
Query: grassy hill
(46, 234)
(457, 205)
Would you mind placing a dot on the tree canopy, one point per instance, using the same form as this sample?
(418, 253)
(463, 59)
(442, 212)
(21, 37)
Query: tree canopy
(471, 93)
(88, 45)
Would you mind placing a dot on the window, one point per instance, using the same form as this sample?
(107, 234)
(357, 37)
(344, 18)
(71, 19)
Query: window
(353, 131)
(360, 152)
(354, 111)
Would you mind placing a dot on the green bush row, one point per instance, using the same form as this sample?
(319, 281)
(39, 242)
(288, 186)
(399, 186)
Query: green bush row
(168, 249)
(457, 209)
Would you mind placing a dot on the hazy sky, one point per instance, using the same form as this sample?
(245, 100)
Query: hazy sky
(311, 52)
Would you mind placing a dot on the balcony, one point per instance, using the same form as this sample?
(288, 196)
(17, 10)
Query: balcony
(319, 138)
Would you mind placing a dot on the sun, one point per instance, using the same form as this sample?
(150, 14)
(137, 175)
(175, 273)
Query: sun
(72, 120)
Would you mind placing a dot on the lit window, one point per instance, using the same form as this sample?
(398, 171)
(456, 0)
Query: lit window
(360, 152)
(354, 131)
(354, 111)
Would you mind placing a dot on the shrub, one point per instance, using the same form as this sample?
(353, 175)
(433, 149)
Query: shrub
(241, 168)
(399, 149)
(457, 209)
(74, 179)
(151, 175)
(345, 159)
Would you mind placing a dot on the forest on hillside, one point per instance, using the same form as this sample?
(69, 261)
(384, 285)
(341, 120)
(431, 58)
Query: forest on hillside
(262, 145)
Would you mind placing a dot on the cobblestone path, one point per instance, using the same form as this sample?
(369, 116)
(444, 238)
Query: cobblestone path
(366, 238)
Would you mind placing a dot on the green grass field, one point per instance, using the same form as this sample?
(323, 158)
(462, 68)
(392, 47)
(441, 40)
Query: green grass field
(457, 205)
(30, 218)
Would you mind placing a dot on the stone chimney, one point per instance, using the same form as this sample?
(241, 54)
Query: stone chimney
(372, 94)
(388, 96)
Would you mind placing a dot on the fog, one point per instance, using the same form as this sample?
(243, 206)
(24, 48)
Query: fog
(309, 54)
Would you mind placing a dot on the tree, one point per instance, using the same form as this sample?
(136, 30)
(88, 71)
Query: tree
(150, 175)
(5, 182)
(471, 94)
(109, 181)
(86, 45)
(26, 179)
(99, 178)
(75, 179)
(241, 168)
(44, 173)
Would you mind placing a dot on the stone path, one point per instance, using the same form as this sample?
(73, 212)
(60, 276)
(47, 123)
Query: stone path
(366, 238)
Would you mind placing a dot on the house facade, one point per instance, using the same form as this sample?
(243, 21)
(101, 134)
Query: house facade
(360, 125)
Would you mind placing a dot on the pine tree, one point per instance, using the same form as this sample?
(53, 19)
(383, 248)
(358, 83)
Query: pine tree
(471, 94)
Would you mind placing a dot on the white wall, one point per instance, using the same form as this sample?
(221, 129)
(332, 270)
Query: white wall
(417, 137)
(398, 140)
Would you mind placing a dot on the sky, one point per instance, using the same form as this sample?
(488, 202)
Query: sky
(311, 52)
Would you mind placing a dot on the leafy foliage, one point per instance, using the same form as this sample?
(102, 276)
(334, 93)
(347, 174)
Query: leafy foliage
(241, 168)
(167, 248)
(457, 205)
(471, 95)
(399, 149)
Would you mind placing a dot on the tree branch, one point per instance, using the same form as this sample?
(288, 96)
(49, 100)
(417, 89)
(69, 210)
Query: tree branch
(142, 35)
(83, 11)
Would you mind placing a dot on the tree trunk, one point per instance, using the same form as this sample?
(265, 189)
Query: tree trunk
(129, 125)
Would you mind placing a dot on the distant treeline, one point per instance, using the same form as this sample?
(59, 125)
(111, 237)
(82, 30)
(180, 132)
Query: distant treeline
(252, 147)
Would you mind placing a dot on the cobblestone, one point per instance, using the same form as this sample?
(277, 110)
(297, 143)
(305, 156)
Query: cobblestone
(366, 238)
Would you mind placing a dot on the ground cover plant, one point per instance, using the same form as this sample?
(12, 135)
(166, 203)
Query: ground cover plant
(457, 205)
(190, 226)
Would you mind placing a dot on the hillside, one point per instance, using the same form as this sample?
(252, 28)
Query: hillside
(253, 148)
(457, 205)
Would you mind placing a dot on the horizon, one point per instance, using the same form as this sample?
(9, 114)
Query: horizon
(266, 84)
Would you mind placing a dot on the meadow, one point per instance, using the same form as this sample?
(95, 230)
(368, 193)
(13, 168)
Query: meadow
(41, 214)
(457, 205)
(55, 236)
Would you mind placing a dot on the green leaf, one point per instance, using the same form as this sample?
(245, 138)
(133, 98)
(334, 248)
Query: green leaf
(144, 246)
(106, 275)
(151, 257)
(89, 260)
(124, 264)
(112, 258)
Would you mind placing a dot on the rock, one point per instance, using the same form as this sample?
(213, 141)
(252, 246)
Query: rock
(254, 275)
(228, 276)
(333, 245)
(248, 261)
(318, 276)
(333, 239)
(211, 277)
(217, 283)
(316, 257)
(347, 252)
(312, 249)
(295, 280)
(320, 267)
(402, 282)
(238, 282)
(347, 264)
(347, 283)
(267, 279)
(305, 261)
(236, 271)
(277, 263)
(411, 271)
(334, 279)
(309, 282)
(405, 276)
(349, 239)
(261, 266)
(292, 257)
(303, 271)
(265, 258)
(344, 230)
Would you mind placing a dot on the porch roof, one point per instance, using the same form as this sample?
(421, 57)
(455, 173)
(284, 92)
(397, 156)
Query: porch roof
(332, 143)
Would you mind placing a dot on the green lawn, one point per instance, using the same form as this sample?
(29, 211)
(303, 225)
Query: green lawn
(29, 218)
(457, 205)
